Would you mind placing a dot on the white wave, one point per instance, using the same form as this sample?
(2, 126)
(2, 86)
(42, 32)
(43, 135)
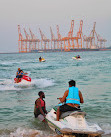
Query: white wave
(8, 84)
(107, 128)
(42, 83)
(25, 132)
(22, 132)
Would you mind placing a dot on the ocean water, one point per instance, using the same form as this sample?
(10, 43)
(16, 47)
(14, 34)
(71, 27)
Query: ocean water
(92, 75)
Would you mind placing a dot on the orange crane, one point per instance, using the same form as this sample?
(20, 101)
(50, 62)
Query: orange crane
(77, 40)
(90, 40)
(59, 38)
(94, 40)
(53, 40)
(21, 45)
(67, 45)
(27, 41)
(100, 41)
(34, 40)
(73, 42)
(79, 35)
(44, 41)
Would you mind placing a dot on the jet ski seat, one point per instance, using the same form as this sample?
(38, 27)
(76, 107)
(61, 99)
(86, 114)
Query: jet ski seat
(72, 113)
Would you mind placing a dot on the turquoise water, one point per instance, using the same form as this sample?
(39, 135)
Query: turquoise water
(92, 74)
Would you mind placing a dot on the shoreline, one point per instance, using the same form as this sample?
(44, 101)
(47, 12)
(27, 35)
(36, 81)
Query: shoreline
(51, 51)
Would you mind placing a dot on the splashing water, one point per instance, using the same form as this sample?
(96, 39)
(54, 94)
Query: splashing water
(9, 84)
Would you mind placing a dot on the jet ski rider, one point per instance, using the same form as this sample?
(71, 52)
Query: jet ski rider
(40, 107)
(72, 98)
(19, 75)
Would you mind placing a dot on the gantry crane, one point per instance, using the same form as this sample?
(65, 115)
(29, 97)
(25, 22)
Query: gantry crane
(101, 41)
(34, 40)
(70, 42)
(73, 42)
(66, 40)
(44, 41)
(27, 41)
(94, 40)
(90, 40)
(59, 38)
(53, 40)
(22, 43)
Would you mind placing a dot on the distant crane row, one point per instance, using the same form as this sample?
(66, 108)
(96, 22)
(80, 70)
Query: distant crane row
(32, 44)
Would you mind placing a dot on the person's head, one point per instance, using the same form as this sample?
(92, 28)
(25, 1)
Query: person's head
(18, 69)
(41, 94)
(72, 83)
(21, 70)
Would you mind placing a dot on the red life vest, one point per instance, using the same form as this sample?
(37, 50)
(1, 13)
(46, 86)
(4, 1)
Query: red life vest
(42, 103)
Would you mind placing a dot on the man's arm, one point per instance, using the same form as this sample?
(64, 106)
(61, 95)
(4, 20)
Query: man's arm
(38, 103)
(64, 96)
(16, 73)
(81, 97)
(45, 109)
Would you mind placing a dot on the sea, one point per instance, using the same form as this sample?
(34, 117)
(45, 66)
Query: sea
(92, 75)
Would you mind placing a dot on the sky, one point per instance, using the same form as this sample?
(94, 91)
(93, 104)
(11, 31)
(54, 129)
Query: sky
(46, 13)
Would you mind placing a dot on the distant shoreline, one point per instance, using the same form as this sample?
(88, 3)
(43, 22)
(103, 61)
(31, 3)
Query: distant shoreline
(76, 50)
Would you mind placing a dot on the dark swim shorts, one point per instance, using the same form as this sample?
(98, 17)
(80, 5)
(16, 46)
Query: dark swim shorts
(19, 76)
(65, 108)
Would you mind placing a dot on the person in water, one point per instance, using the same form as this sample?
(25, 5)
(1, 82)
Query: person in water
(72, 98)
(19, 75)
(40, 107)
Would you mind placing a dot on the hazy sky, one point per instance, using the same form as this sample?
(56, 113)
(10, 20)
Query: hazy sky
(46, 13)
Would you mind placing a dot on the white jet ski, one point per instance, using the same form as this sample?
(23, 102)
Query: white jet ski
(75, 58)
(73, 123)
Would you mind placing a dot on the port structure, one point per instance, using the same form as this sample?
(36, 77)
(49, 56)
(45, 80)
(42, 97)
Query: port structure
(35, 42)
(56, 42)
(73, 42)
(101, 42)
(31, 43)
(59, 38)
(53, 40)
(22, 42)
(44, 41)
(94, 40)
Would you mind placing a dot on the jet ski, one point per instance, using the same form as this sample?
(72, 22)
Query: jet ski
(42, 60)
(76, 58)
(24, 80)
(72, 123)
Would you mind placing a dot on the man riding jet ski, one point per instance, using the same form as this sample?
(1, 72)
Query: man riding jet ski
(20, 76)
(69, 119)
(77, 57)
(73, 98)
(41, 59)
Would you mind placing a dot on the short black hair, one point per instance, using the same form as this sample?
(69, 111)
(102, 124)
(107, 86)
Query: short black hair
(40, 93)
(72, 83)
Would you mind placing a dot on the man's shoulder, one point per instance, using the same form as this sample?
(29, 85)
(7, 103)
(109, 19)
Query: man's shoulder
(38, 99)
(66, 92)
